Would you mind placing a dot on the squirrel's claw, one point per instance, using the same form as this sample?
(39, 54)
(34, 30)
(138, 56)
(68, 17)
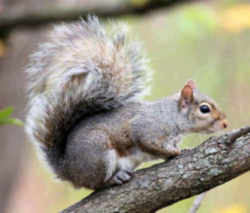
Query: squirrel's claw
(121, 177)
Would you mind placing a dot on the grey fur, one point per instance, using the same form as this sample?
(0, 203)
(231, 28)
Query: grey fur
(80, 71)
(86, 114)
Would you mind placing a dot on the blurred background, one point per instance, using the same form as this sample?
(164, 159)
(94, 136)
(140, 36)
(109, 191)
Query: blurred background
(208, 41)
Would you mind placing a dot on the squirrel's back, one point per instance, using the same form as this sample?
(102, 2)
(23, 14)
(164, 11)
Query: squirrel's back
(81, 71)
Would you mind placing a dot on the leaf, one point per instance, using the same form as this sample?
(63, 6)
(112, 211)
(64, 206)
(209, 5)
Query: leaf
(13, 121)
(5, 113)
(6, 119)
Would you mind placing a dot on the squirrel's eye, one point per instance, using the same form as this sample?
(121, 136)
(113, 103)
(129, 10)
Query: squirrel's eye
(204, 108)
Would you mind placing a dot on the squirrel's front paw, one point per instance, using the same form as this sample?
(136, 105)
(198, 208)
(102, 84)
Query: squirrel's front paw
(172, 150)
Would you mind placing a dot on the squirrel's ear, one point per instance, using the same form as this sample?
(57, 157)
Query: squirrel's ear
(187, 94)
(191, 83)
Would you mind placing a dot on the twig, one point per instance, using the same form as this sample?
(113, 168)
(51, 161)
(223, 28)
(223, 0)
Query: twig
(197, 203)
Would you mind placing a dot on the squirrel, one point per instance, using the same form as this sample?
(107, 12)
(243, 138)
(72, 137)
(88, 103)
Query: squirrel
(85, 107)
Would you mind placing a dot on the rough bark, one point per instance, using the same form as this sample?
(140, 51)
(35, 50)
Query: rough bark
(47, 15)
(214, 162)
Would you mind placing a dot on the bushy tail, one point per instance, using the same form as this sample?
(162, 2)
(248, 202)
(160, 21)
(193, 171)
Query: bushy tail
(82, 70)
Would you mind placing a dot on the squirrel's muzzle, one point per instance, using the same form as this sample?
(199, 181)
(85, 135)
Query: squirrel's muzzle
(224, 123)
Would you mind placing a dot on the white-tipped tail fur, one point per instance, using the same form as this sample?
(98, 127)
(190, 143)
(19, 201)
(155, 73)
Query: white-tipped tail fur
(81, 70)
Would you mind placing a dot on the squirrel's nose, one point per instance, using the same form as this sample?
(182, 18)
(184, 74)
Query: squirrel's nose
(224, 124)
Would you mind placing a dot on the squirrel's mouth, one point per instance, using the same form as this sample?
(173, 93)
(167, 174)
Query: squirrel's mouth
(218, 126)
(224, 123)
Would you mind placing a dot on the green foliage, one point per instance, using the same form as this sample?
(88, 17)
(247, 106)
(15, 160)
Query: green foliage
(196, 21)
(5, 117)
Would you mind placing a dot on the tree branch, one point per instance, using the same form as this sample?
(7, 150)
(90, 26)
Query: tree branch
(214, 162)
(48, 15)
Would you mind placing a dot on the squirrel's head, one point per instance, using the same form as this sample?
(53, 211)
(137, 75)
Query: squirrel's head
(201, 111)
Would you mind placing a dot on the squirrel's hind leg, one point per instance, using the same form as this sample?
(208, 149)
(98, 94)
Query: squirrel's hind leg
(124, 171)
(89, 160)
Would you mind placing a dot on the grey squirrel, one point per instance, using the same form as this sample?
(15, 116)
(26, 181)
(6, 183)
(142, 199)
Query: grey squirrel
(86, 113)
